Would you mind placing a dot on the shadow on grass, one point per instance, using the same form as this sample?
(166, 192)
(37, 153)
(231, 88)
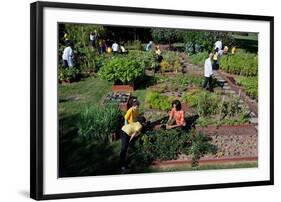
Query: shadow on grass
(79, 156)
(145, 82)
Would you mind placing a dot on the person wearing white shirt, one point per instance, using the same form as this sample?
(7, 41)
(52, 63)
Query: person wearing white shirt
(218, 44)
(67, 56)
(115, 47)
(208, 72)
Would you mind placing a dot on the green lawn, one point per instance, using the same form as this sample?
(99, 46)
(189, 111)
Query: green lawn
(187, 167)
(84, 93)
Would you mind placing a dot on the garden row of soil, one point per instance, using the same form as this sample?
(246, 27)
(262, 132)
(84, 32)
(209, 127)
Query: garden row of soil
(253, 105)
(236, 144)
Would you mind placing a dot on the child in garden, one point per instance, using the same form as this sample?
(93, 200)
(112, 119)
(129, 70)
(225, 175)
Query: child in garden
(132, 113)
(176, 118)
(127, 134)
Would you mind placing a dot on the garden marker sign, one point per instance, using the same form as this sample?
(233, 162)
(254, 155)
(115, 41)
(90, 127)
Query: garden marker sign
(124, 97)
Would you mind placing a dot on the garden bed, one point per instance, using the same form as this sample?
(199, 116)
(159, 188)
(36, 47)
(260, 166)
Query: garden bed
(236, 144)
(253, 105)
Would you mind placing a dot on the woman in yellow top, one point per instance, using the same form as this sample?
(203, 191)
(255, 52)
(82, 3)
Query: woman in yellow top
(132, 113)
(128, 132)
(215, 59)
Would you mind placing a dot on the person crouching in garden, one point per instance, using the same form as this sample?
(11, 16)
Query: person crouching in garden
(176, 118)
(208, 73)
(128, 133)
(132, 113)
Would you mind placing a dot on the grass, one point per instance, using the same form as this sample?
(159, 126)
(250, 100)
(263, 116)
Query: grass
(77, 95)
(188, 167)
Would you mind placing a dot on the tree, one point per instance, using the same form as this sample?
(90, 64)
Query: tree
(167, 35)
(198, 41)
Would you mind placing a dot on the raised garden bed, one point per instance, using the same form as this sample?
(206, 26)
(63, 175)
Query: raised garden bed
(123, 88)
(122, 98)
(253, 105)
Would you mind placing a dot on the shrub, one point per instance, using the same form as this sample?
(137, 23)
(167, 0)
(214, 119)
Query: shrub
(122, 69)
(206, 103)
(68, 74)
(168, 144)
(157, 101)
(96, 123)
(198, 59)
(242, 63)
(200, 146)
(171, 61)
(146, 58)
(90, 61)
(164, 66)
(250, 85)
(134, 45)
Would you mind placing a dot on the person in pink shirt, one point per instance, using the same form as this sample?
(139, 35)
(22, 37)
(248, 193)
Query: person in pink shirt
(176, 118)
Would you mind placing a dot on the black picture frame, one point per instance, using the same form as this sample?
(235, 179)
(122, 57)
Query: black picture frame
(37, 98)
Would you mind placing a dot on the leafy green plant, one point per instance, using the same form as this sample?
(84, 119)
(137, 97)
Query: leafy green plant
(198, 59)
(96, 123)
(168, 144)
(250, 85)
(200, 146)
(69, 74)
(123, 69)
(171, 62)
(242, 63)
(134, 45)
(164, 66)
(206, 103)
(157, 101)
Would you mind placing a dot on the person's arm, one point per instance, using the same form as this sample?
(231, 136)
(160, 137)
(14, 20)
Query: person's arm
(170, 116)
(127, 115)
(181, 122)
(210, 68)
(134, 135)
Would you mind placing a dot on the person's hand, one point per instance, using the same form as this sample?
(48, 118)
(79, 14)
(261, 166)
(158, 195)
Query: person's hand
(131, 138)
(168, 126)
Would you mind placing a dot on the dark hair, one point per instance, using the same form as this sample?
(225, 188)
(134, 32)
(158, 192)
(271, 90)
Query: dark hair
(141, 119)
(135, 103)
(177, 103)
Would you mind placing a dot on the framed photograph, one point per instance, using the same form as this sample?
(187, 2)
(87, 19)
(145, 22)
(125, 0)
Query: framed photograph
(131, 100)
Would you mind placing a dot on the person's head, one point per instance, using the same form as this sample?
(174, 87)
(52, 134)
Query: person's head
(69, 44)
(176, 104)
(210, 54)
(217, 49)
(135, 104)
(225, 49)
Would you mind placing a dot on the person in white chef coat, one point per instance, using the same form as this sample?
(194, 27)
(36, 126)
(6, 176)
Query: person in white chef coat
(208, 73)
